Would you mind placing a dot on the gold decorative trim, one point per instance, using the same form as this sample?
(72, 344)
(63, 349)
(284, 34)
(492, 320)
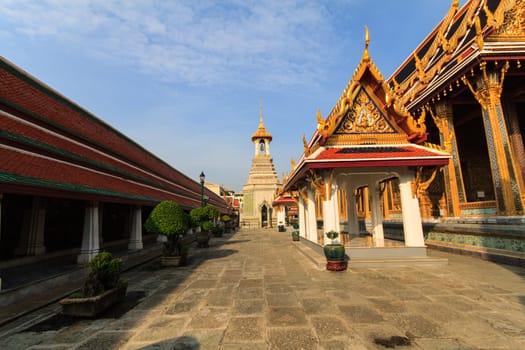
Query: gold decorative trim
(491, 86)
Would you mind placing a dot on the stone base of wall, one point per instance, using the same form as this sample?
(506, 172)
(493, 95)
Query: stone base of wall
(495, 239)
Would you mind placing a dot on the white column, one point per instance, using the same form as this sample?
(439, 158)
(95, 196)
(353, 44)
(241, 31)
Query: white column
(90, 240)
(135, 239)
(330, 214)
(311, 216)
(267, 147)
(302, 217)
(256, 144)
(376, 215)
(32, 235)
(412, 227)
(353, 222)
(281, 217)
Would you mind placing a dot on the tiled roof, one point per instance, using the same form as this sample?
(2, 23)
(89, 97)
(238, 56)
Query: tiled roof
(48, 143)
(365, 153)
(284, 201)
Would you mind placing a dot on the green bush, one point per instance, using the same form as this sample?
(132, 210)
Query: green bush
(207, 226)
(170, 220)
(198, 216)
(201, 215)
(104, 274)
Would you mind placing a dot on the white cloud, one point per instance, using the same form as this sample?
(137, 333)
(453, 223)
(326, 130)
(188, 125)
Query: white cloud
(197, 42)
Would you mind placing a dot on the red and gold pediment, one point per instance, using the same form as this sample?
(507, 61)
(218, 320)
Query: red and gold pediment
(366, 113)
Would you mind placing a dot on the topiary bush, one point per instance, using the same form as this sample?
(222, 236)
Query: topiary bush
(170, 220)
(104, 275)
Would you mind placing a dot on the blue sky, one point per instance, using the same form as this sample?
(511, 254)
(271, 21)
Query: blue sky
(184, 78)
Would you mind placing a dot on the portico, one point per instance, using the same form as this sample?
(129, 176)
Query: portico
(367, 140)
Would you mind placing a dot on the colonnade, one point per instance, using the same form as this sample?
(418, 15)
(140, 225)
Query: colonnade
(327, 183)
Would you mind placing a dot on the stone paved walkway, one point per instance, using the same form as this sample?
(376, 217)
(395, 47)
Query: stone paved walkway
(254, 290)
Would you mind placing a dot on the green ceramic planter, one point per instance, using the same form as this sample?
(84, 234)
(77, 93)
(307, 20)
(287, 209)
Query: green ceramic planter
(334, 252)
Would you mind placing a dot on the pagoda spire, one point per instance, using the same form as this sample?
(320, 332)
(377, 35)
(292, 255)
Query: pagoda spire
(261, 133)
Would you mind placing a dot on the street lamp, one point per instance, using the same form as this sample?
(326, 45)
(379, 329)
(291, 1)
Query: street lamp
(202, 177)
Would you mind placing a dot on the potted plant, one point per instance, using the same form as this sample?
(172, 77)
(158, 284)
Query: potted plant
(295, 232)
(334, 253)
(217, 230)
(204, 219)
(103, 287)
(226, 219)
(170, 220)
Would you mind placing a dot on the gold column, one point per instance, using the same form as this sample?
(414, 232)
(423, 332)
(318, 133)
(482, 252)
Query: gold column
(454, 189)
(504, 169)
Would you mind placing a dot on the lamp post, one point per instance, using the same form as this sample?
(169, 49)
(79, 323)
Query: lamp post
(202, 177)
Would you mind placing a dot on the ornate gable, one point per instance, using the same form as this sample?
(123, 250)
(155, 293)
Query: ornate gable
(364, 114)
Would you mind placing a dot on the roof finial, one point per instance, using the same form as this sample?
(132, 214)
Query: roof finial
(366, 56)
(260, 113)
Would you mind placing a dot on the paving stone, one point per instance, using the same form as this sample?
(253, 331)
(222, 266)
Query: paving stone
(164, 328)
(275, 288)
(244, 329)
(210, 318)
(249, 306)
(268, 296)
(388, 305)
(328, 327)
(250, 293)
(318, 306)
(418, 325)
(250, 283)
(204, 283)
(105, 340)
(360, 314)
(291, 338)
(251, 346)
(286, 317)
(288, 299)
(442, 344)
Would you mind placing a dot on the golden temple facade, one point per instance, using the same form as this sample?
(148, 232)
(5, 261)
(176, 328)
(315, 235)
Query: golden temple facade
(461, 91)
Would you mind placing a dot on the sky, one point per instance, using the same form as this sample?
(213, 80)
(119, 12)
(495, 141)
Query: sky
(185, 78)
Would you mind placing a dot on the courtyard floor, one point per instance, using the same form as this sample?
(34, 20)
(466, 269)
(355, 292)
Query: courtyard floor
(255, 290)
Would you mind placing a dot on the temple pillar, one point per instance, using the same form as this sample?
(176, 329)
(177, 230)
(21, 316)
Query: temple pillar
(515, 137)
(330, 210)
(311, 216)
(412, 227)
(32, 235)
(504, 170)
(302, 217)
(135, 239)
(353, 221)
(454, 189)
(90, 235)
(376, 215)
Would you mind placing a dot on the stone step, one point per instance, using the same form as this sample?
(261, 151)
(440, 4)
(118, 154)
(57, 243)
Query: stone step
(420, 261)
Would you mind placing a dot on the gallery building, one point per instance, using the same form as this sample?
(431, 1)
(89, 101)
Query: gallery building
(72, 185)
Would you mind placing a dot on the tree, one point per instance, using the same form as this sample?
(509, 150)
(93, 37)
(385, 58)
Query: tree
(170, 220)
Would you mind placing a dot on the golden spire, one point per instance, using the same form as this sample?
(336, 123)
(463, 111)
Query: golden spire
(261, 132)
(366, 55)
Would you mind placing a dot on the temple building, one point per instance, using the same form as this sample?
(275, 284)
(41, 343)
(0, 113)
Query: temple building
(262, 183)
(71, 185)
(459, 94)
